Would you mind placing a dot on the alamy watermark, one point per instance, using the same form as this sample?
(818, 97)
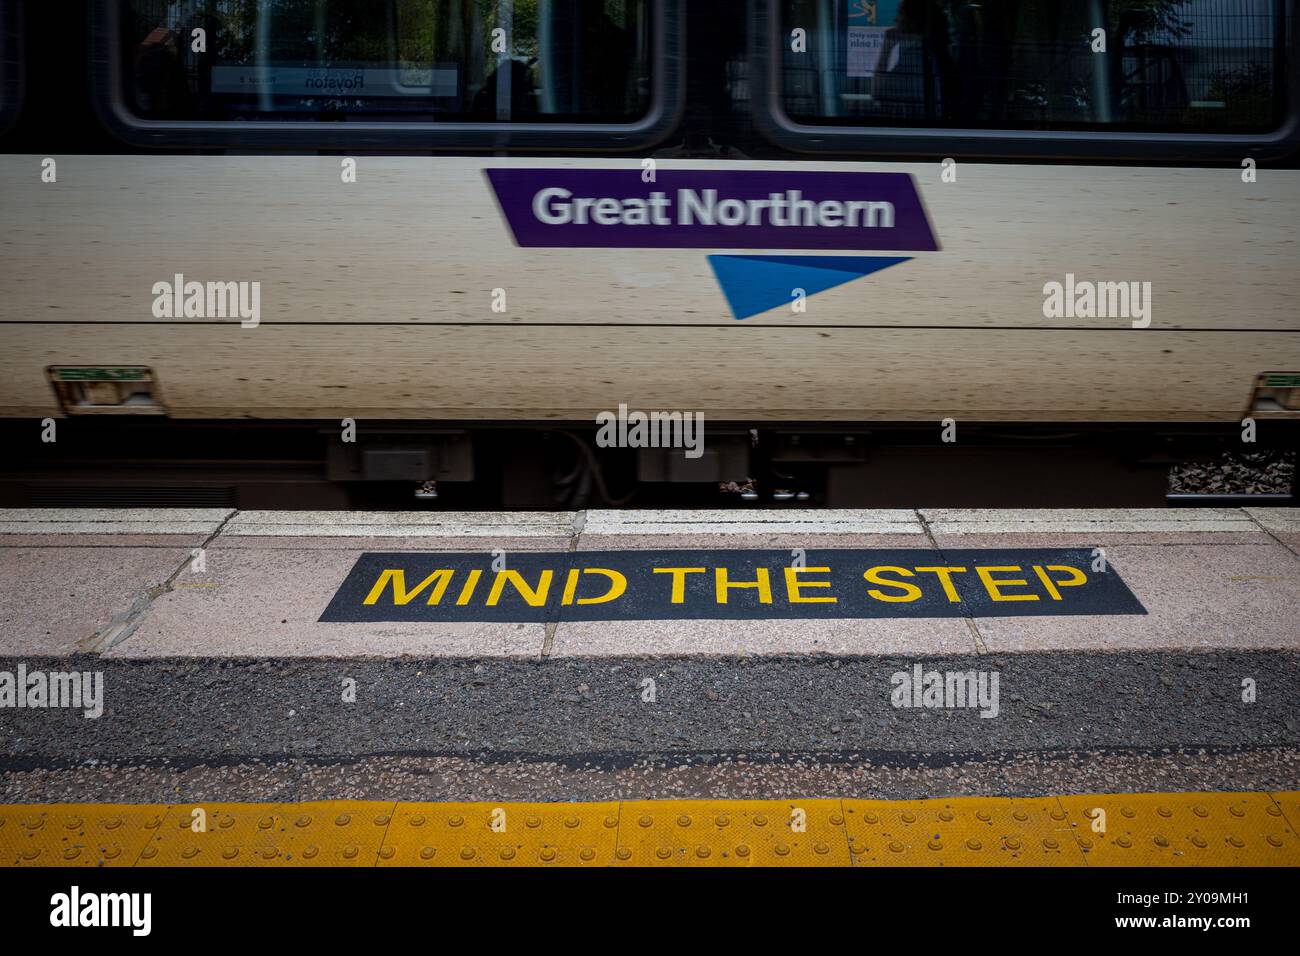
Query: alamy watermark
(47, 689)
(946, 690)
(626, 429)
(75, 908)
(1098, 300)
(208, 300)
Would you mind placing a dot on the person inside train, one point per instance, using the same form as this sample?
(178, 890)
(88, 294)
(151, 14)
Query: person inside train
(914, 73)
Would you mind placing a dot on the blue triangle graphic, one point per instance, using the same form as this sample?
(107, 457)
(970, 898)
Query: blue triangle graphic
(754, 284)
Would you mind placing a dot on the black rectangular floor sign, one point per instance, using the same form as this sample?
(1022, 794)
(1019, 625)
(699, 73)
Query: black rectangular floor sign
(543, 586)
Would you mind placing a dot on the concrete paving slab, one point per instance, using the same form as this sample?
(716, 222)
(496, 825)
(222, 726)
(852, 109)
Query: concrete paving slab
(736, 638)
(1201, 596)
(1292, 541)
(268, 604)
(1281, 523)
(54, 598)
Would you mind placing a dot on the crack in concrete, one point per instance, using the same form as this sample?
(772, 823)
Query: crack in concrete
(980, 647)
(1256, 522)
(579, 522)
(123, 625)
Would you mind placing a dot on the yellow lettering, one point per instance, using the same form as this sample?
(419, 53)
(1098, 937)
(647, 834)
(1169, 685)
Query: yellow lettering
(679, 580)
(910, 591)
(535, 598)
(945, 578)
(570, 586)
(617, 585)
(793, 584)
(467, 590)
(994, 587)
(722, 585)
(401, 595)
(1077, 577)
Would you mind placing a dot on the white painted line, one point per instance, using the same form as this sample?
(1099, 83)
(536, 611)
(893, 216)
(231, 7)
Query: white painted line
(397, 524)
(395, 531)
(776, 515)
(1086, 520)
(1108, 515)
(429, 518)
(783, 521)
(1091, 527)
(607, 522)
(107, 527)
(768, 527)
(112, 520)
(153, 515)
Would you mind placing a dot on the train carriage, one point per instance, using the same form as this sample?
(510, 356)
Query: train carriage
(1017, 250)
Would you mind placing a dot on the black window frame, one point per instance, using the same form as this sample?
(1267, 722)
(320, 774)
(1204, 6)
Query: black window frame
(667, 102)
(11, 63)
(766, 45)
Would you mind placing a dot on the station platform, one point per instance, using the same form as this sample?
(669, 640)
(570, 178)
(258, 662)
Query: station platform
(129, 584)
(597, 663)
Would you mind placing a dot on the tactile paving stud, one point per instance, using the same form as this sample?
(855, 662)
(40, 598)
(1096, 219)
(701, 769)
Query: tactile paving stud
(309, 834)
(961, 831)
(76, 835)
(733, 833)
(1172, 829)
(502, 834)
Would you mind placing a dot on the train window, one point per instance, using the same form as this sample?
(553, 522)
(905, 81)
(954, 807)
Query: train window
(1208, 66)
(387, 61)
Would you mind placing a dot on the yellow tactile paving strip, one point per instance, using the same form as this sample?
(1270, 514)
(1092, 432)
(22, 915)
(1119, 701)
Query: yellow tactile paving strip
(1171, 829)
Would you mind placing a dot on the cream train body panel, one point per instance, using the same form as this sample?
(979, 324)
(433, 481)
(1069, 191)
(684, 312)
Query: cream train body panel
(376, 297)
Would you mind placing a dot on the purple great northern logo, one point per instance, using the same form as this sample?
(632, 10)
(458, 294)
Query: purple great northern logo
(738, 209)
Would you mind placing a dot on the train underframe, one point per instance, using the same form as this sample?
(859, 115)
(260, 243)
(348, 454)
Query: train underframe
(404, 465)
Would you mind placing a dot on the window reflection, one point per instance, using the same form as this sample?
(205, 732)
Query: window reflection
(578, 60)
(1167, 64)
